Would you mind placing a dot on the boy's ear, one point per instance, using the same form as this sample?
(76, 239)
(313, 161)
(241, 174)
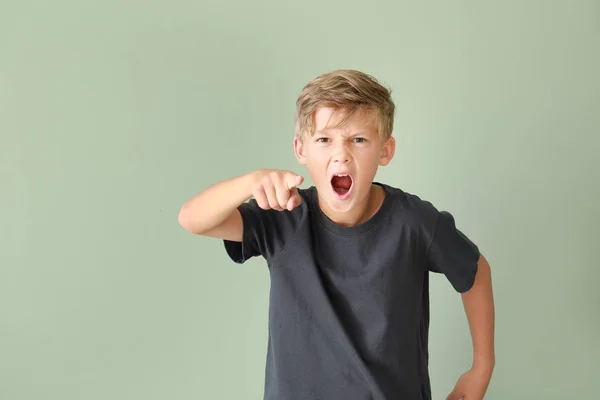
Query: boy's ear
(299, 150)
(387, 151)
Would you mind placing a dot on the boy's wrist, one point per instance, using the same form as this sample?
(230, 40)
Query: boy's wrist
(484, 365)
(245, 184)
(251, 179)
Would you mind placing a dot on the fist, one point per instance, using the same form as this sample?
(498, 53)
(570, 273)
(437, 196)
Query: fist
(277, 189)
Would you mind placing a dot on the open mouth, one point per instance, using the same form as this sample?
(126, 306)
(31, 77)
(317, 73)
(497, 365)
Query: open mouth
(341, 184)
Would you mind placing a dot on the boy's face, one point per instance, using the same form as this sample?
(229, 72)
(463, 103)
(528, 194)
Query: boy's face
(353, 150)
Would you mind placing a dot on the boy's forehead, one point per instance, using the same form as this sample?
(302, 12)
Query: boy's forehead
(329, 119)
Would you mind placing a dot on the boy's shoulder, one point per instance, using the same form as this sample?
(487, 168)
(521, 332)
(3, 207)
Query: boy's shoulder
(411, 207)
(404, 197)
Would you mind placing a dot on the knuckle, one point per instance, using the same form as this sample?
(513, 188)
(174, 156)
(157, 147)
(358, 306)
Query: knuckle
(266, 181)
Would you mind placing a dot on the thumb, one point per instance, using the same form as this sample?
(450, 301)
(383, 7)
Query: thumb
(293, 180)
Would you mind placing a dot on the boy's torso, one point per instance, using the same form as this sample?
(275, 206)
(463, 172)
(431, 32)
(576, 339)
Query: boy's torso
(349, 307)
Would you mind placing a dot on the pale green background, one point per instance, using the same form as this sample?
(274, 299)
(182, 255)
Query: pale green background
(113, 113)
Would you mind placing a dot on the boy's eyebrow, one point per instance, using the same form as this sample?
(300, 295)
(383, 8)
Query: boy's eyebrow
(357, 133)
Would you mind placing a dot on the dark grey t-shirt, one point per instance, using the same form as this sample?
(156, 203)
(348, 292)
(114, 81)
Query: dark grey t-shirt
(349, 306)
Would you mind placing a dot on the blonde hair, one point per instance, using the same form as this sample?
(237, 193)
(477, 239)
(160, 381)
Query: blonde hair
(349, 91)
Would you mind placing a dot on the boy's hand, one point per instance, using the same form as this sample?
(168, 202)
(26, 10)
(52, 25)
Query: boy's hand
(472, 385)
(276, 189)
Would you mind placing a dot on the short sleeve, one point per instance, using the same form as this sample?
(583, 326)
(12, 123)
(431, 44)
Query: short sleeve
(265, 232)
(249, 247)
(452, 253)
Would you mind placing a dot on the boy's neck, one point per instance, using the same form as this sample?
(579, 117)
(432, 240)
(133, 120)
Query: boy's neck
(370, 206)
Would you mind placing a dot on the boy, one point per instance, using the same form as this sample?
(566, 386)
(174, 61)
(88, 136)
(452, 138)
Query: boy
(348, 257)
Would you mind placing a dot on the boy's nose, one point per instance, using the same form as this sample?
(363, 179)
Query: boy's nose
(341, 157)
(341, 154)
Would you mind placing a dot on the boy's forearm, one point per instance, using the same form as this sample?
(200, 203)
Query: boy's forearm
(213, 205)
(479, 308)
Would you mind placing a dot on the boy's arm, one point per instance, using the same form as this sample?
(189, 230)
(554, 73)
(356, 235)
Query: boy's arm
(479, 307)
(213, 212)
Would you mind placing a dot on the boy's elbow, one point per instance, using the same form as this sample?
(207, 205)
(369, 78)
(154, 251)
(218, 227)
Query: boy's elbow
(185, 221)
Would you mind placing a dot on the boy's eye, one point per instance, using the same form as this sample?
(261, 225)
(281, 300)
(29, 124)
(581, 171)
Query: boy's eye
(325, 139)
